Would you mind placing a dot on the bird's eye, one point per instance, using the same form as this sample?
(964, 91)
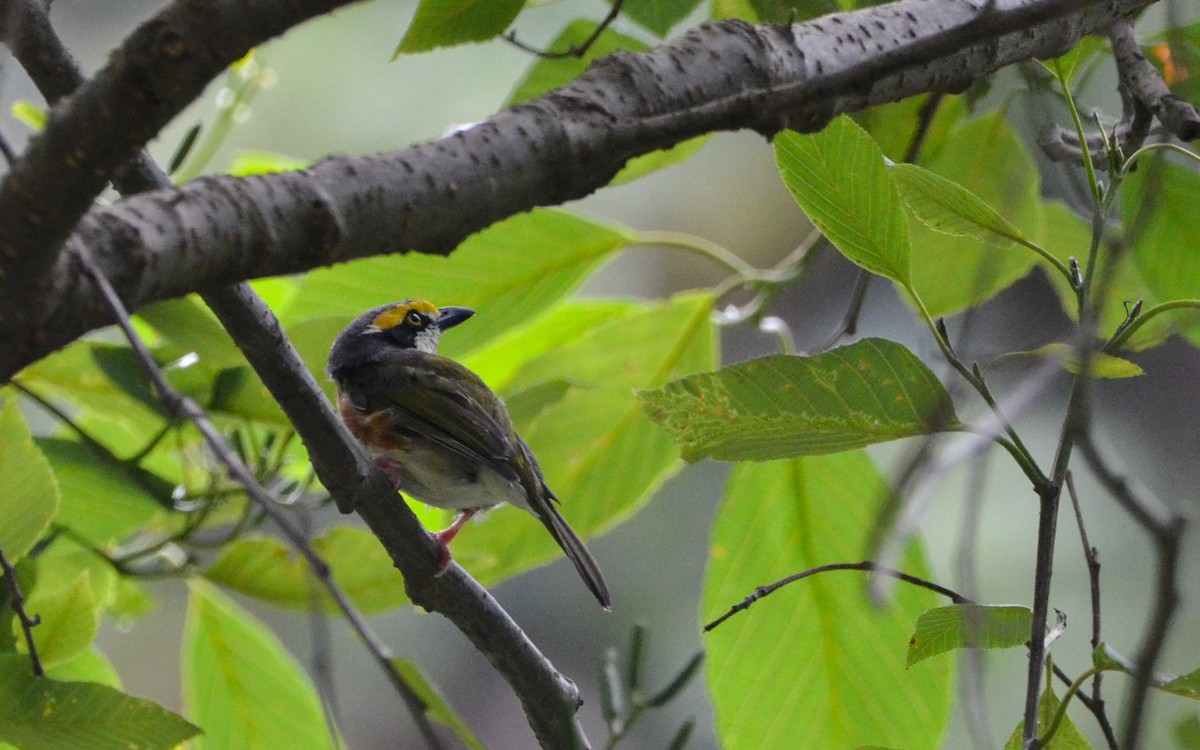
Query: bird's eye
(414, 318)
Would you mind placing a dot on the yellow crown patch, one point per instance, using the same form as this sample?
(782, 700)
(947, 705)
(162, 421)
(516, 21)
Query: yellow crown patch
(395, 315)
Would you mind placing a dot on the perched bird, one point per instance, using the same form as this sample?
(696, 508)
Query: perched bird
(437, 430)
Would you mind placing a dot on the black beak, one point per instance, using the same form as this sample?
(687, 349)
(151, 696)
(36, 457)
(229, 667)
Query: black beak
(448, 317)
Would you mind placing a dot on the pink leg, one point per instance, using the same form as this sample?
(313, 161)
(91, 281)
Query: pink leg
(446, 535)
(393, 469)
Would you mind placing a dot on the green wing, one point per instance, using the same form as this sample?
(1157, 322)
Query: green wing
(441, 400)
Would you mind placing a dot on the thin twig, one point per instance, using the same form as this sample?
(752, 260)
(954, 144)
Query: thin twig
(17, 602)
(1091, 555)
(183, 407)
(867, 565)
(1167, 530)
(575, 50)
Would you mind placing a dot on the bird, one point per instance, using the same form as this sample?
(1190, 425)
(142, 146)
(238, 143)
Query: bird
(438, 432)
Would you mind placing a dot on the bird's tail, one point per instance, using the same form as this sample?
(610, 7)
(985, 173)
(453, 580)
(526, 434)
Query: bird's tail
(571, 544)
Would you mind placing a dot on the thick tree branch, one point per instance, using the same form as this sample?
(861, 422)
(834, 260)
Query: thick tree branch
(568, 143)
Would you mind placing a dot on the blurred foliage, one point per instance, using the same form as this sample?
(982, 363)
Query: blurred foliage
(116, 491)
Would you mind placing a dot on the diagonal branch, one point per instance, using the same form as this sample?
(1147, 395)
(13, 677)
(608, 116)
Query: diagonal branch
(564, 145)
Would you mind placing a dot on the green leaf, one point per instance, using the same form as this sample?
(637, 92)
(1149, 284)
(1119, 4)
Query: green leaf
(102, 500)
(89, 666)
(816, 659)
(445, 23)
(29, 114)
(44, 714)
(1100, 365)
(985, 157)
(498, 361)
(69, 621)
(436, 706)
(1187, 733)
(60, 565)
(780, 406)
(658, 16)
(1158, 204)
(510, 274)
(600, 454)
(957, 626)
(29, 496)
(1067, 737)
(240, 684)
(838, 177)
(188, 324)
(950, 208)
(264, 162)
(267, 569)
(239, 391)
(1187, 686)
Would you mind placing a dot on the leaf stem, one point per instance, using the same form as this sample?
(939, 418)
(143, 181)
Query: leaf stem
(1124, 334)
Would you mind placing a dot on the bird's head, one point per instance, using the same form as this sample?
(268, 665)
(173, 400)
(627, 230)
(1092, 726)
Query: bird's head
(411, 324)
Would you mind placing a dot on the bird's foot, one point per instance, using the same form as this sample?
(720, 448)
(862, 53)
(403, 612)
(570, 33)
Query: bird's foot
(393, 469)
(445, 536)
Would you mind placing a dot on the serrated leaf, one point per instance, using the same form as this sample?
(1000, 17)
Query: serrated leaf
(29, 497)
(950, 208)
(510, 274)
(868, 392)
(498, 361)
(839, 178)
(45, 714)
(436, 706)
(89, 666)
(1100, 365)
(958, 626)
(445, 23)
(240, 684)
(986, 157)
(658, 16)
(103, 501)
(267, 569)
(816, 659)
(69, 621)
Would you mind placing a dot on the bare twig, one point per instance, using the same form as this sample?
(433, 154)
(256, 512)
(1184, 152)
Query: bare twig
(1091, 555)
(575, 50)
(1167, 530)
(867, 565)
(17, 601)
